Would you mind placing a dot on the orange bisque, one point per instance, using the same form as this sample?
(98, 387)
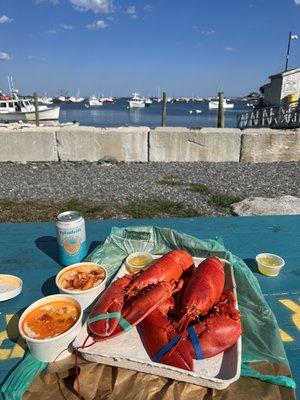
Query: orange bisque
(50, 320)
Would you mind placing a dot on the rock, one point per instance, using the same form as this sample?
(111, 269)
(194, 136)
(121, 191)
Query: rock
(283, 205)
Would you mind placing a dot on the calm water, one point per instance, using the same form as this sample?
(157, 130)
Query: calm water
(178, 114)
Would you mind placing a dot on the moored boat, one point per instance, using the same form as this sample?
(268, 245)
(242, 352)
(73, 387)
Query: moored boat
(94, 102)
(214, 104)
(136, 101)
(13, 108)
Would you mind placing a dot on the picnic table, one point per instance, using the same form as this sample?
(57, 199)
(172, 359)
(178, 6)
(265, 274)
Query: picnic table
(28, 250)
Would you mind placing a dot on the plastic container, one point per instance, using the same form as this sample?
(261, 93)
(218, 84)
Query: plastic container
(58, 347)
(84, 297)
(137, 261)
(127, 351)
(10, 286)
(269, 264)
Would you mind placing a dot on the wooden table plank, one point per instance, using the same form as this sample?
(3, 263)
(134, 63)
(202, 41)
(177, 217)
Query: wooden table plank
(29, 251)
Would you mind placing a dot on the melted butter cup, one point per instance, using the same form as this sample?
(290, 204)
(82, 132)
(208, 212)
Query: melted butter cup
(138, 261)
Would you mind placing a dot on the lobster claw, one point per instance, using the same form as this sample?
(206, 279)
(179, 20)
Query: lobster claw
(130, 299)
(165, 343)
(106, 313)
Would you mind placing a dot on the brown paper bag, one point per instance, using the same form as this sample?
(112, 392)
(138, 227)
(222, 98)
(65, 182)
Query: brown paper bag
(103, 382)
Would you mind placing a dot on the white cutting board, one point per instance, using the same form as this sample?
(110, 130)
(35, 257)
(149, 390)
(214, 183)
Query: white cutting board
(127, 351)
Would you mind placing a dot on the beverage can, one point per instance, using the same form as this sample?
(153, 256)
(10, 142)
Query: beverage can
(71, 237)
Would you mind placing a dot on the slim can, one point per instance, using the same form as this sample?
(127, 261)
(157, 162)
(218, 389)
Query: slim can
(71, 238)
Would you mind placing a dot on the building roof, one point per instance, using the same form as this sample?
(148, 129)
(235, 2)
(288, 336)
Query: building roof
(285, 73)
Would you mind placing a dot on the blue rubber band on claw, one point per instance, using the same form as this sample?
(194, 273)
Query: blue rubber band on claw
(122, 321)
(165, 349)
(195, 342)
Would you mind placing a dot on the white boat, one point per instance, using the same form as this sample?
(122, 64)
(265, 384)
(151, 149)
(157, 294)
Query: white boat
(147, 101)
(214, 104)
(23, 110)
(136, 101)
(94, 102)
(76, 99)
(109, 99)
(47, 101)
(13, 108)
(61, 99)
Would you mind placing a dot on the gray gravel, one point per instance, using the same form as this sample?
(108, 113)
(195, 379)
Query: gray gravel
(105, 182)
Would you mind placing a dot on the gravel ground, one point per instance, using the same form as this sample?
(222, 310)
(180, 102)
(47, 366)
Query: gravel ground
(122, 183)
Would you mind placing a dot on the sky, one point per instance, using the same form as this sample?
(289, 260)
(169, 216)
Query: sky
(183, 47)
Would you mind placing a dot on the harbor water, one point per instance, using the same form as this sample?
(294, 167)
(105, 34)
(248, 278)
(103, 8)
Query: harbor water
(193, 114)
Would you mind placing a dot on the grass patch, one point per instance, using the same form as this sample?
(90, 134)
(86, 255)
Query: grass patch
(224, 200)
(158, 208)
(171, 181)
(15, 211)
(199, 188)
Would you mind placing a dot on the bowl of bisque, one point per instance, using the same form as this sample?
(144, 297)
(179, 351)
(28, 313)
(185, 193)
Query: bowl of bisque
(83, 281)
(50, 325)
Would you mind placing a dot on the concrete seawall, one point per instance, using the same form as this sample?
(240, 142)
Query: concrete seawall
(142, 144)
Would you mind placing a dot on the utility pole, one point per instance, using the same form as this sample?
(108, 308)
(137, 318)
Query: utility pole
(288, 52)
(291, 37)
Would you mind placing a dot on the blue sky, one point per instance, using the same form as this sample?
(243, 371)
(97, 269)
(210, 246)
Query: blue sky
(184, 46)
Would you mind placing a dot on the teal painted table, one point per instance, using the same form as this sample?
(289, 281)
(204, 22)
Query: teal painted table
(29, 251)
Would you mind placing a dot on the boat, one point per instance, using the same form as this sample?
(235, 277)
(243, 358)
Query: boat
(136, 101)
(76, 99)
(14, 108)
(47, 101)
(94, 102)
(214, 104)
(109, 99)
(147, 101)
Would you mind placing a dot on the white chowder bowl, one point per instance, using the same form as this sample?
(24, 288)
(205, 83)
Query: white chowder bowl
(84, 297)
(58, 347)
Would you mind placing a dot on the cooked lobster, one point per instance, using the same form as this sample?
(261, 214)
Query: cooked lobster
(202, 291)
(135, 296)
(213, 334)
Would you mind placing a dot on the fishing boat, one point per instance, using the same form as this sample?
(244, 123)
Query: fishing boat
(214, 104)
(14, 108)
(136, 101)
(94, 102)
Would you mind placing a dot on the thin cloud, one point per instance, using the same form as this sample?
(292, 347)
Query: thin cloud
(5, 56)
(208, 33)
(96, 6)
(131, 11)
(4, 19)
(29, 57)
(67, 27)
(297, 2)
(148, 8)
(54, 2)
(51, 32)
(229, 49)
(99, 24)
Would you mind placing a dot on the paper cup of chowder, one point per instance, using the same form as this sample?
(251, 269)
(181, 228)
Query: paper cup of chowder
(50, 325)
(83, 281)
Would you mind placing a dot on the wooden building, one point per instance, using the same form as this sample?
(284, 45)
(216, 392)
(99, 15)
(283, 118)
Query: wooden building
(281, 86)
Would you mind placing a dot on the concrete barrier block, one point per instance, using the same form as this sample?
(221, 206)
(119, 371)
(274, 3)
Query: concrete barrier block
(94, 144)
(28, 144)
(184, 144)
(270, 145)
